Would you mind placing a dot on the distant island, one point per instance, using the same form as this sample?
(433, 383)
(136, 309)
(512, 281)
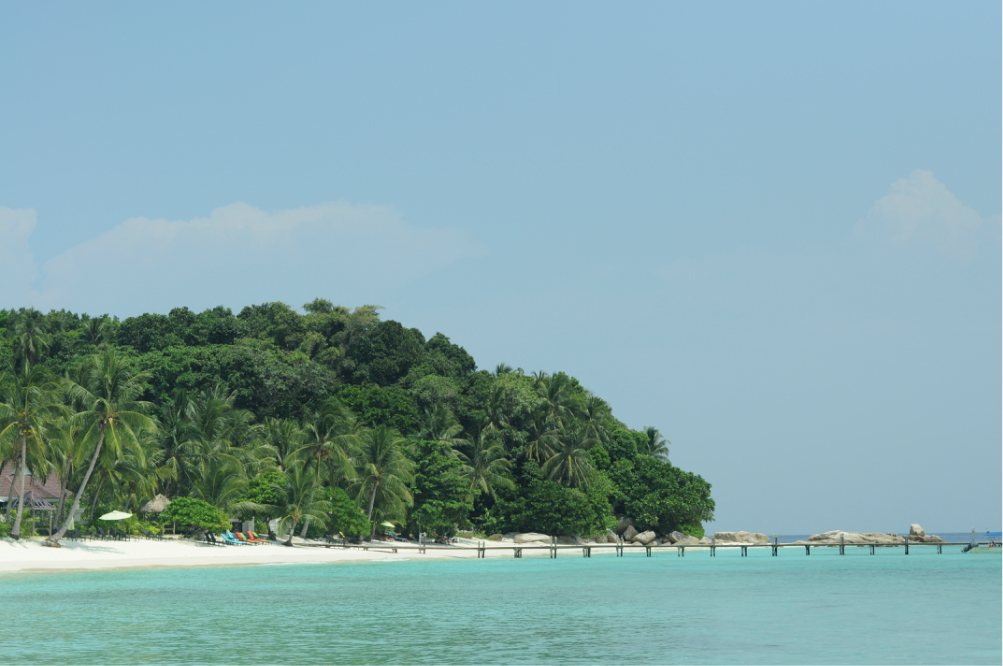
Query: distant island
(325, 422)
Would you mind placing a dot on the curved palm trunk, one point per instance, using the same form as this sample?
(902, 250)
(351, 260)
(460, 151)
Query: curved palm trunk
(97, 495)
(53, 539)
(372, 500)
(16, 531)
(62, 502)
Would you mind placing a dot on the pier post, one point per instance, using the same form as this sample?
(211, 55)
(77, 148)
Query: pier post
(518, 553)
(907, 545)
(872, 549)
(940, 550)
(586, 552)
(647, 550)
(842, 545)
(775, 547)
(745, 551)
(807, 549)
(713, 547)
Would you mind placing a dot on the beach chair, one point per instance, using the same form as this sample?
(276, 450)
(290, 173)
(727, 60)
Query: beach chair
(243, 539)
(250, 537)
(212, 539)
(101, 533)
(229, 538)
(257, 538)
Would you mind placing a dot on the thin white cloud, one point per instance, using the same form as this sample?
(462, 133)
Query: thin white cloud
(241, 254)
(919, 211)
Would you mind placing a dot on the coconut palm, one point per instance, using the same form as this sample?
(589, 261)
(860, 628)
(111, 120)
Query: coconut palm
(29, 399)
(301, 500)
(330, 436)
(542, 435)
(112, 415)
(656, 445)
(557, 392)
(440, 425)
(383, 472)
(485, 463)
(30, 336)
(571, 462)
(96, 331)
(503, 369)
(595, 414)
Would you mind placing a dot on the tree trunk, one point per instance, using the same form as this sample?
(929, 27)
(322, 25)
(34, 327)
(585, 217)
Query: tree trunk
(97, 495)
(62, 498)
(16, 531)
(53, 540)
(292, 531)
(306, 526)
(128, 500)
(372, 500)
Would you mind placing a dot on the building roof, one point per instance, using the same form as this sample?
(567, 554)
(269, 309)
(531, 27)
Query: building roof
(47, 490)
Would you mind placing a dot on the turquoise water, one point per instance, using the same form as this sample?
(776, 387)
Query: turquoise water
(883, 609)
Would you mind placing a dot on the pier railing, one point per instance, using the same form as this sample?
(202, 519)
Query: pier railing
(621, 547)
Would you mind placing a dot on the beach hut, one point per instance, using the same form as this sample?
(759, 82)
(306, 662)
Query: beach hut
(155, 505)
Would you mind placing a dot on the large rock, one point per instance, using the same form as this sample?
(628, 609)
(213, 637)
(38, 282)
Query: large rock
(676, 536)
(855, 537)
(644, 537)
(629, 533)
(916, 531)
(530, 537)
(741, 537)
(611, 536)
(687, 540)
(622, 526)
(704, 540)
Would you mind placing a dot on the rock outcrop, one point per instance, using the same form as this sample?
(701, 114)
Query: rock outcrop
(644, 537)
(630, 533)
(873, 537)
(622, 526)
(741, 537)
(916, 531)
(530, 537)
(611, 536)
(676, 536)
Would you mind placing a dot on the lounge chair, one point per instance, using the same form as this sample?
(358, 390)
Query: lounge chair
(243, 539)
(257, 538)
(249, 536)
(228, 538)
(101, 533)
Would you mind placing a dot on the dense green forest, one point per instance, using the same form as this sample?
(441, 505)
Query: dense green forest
(330, 420)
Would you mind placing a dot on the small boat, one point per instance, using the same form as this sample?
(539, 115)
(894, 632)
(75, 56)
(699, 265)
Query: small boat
(992, 546)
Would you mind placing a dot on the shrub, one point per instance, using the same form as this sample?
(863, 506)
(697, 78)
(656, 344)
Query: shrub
(194, 515)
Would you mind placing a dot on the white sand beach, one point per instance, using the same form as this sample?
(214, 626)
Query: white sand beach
(31, 555)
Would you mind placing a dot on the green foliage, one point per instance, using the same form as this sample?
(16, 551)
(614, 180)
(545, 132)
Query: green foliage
(312, 392)
(4, 529)
(192, 515)
(346, 516)
(376, 405)
(442, 496)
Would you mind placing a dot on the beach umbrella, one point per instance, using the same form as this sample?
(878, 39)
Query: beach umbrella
(386, 524)
(155, 505)
(116, 515)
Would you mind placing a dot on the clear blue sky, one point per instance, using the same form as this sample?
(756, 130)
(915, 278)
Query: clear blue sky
(772, 230)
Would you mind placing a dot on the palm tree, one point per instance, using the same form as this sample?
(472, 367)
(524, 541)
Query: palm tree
(302, 500)
(384, 472)
(558, 396)
(485, 463)
(657, 446)
(441, 426)
(571, 461)
(30, 335)
(330, 435)
(96, 331)
(503, 369)
(112, 414)
(595, 413)
(28, 400)
(542, 434)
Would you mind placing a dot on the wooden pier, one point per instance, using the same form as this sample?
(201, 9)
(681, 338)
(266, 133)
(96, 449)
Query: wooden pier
(620, 548)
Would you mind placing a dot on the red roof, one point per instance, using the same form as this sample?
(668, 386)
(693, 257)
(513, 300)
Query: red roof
(48, 490)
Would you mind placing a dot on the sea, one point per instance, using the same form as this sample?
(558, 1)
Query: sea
(825, 608)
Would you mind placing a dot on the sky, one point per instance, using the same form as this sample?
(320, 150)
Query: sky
(770, 230)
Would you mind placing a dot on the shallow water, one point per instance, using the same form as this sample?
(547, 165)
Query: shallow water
(888, 608)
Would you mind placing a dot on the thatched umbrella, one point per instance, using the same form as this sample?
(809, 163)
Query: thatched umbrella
(155, 505)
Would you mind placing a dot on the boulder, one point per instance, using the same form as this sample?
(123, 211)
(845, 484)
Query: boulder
(705, 540)
(629, 533)
(916, 531)
(854, 537)
(567, 541)
(495, 537)
(644, 537)
(622, 526)
(676, 536)
(530, 537)
(687, 540)
(611, 536)
(741, 537)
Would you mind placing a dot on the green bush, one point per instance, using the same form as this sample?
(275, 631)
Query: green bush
(192, 515)
(346, 516)
(4, 529)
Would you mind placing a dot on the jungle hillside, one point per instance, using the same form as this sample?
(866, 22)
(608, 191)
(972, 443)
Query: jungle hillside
(327, 420)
